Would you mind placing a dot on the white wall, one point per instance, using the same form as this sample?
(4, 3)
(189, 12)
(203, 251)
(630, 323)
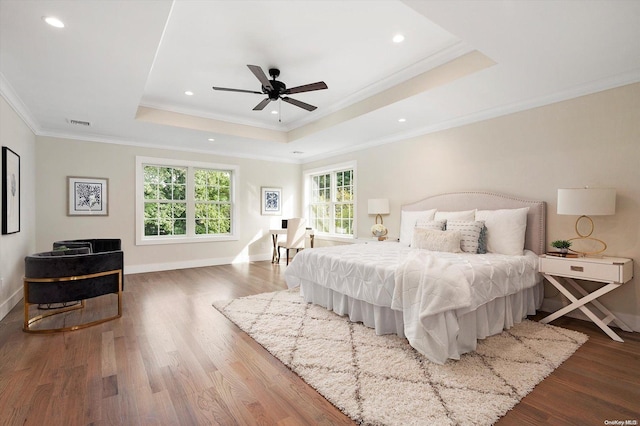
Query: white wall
(117, 163)
(15, 135)
(592, 140)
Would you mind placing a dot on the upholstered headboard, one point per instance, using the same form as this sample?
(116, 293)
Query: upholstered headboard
(535, 234)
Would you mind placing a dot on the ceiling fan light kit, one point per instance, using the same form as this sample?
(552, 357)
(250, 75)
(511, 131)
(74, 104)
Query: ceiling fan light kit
(275, 89)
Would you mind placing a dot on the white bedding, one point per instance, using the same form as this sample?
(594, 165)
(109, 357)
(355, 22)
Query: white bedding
(431, 290)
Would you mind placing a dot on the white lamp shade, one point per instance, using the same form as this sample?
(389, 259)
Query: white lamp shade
(587, 201)
(378, 206)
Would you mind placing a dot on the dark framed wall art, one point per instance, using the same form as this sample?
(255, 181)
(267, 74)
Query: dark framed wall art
(87, 196)
(10, 191)
(271, 201)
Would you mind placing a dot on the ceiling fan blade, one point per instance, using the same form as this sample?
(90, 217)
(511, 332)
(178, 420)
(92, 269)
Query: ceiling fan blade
(307, 88)
(226, 89)
(262, 104)
(298, 103)
(260, 75)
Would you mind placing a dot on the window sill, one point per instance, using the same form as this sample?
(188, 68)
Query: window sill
(184, 240)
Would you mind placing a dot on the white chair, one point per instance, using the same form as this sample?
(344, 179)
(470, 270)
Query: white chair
(296, 233)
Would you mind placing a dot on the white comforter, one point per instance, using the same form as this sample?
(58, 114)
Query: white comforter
(429, 283)
(362, 271)
(421, 284)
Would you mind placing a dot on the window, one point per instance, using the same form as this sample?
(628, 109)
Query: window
(331, 200)
(181, 201)
(165, 200)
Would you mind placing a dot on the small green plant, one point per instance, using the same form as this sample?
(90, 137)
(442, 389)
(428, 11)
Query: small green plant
(561, 244)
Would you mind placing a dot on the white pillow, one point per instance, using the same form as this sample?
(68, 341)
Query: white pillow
(505, 230)
(470, 231)
(408, 221)
(434, 240)
(431, 224)
(461, 215)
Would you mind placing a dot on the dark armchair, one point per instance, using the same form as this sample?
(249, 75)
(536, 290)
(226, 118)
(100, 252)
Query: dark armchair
(72, 272)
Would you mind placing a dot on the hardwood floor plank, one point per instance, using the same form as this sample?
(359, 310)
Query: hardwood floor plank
(173, 359)
(39, 405)
(94, 381)
(150, 365)
(109, 367)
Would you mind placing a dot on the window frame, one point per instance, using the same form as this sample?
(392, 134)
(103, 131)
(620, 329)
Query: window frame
(191, 236)
(332, 170)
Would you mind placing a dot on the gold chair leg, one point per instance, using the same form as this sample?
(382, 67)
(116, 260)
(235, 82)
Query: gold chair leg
(29, 321)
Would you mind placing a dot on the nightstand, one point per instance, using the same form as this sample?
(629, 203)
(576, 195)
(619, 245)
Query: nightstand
(562, 272)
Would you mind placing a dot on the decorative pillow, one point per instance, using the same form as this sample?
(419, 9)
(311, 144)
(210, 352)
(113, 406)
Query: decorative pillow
(470, 232)
(431, 239)
(505, 230)
(461, 215)
(408, 222)
(482, 241)
(438, 225)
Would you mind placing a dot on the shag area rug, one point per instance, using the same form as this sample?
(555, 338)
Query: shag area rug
(382, 380)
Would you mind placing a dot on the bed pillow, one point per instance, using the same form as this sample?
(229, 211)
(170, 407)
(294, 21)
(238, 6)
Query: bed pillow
(408, 221)
(470, 231)
(438, 225)
(505, 230)
(434, 240)
(461, 215)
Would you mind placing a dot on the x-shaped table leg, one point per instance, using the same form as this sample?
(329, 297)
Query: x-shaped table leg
(580, 304)
(274, 255)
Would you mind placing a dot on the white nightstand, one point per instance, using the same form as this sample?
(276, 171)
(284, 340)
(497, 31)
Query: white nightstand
(613, 271)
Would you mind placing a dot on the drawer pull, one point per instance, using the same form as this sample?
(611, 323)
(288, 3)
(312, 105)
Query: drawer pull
(577, 268)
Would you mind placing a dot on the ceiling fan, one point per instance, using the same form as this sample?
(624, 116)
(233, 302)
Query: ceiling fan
(275, 89)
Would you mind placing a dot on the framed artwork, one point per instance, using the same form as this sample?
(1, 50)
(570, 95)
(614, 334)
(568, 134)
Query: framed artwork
(271, 201)
(10, 191)
(87, 196)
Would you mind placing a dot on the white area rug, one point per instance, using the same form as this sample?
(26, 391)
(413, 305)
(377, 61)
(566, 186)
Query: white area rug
(381, 380)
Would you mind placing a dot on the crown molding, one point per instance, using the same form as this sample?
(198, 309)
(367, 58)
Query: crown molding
(12, 98)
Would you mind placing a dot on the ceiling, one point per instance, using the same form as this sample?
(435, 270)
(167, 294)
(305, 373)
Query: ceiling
(124, 67)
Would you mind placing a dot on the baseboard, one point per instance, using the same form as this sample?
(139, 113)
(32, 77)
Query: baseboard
(11, 302)
(552, 305)
(168, 266)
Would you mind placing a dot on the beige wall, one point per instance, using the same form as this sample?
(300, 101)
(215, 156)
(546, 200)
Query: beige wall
(592, 140)
(117, 163)
(15, 135)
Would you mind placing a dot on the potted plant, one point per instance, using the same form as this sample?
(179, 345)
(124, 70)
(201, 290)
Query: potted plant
(561, 245)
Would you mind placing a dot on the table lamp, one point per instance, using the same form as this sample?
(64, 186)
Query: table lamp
(379, 206)
(586, 202)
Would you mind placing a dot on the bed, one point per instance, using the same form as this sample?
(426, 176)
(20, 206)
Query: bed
(441, 301)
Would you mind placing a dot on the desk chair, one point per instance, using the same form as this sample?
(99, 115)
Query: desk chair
(296, 232)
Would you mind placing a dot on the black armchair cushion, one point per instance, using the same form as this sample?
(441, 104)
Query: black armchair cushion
(97, 245)
(64, 251)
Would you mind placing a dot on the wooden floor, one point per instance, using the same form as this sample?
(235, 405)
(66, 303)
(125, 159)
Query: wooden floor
(173, 359)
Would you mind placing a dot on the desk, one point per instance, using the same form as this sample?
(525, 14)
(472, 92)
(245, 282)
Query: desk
(274, 238)
(612, 271)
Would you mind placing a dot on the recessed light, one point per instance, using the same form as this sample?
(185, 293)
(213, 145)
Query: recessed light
(274, 112)
(53, 21)
(401, 120)
(211, 140)
(297, 152)
(398, 38)
(188, 93)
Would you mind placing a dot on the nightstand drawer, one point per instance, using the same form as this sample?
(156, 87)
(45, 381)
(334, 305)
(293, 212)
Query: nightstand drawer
(587, 269)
